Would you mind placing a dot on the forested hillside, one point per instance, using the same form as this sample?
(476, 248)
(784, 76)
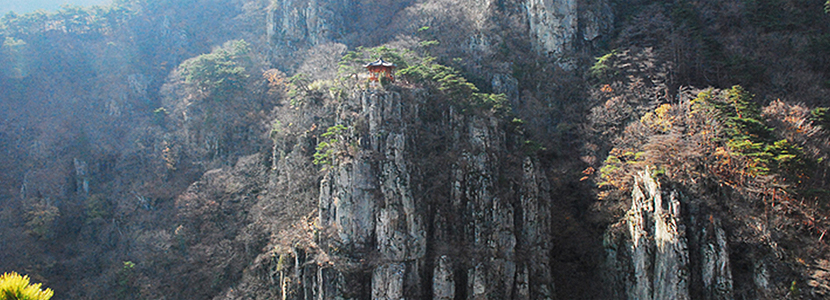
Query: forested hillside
(526, 149)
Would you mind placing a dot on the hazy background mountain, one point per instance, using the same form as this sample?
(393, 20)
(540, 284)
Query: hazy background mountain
(23, 6)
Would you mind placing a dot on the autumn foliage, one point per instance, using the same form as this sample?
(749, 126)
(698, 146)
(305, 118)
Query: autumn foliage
(720, 134)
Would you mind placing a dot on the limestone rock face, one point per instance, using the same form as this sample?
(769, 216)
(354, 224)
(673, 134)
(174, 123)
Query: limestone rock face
(553, 24)
(658, 251)
(454, 234)
(299, 24)
(506, 84)
(443, 283)
(556, 27)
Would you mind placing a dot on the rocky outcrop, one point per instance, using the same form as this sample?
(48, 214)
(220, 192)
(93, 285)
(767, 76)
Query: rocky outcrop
(658, 251)
(554, 28)
(368, 199)
(300, 24)
(557, 28)
(476, 229)
(553, 25)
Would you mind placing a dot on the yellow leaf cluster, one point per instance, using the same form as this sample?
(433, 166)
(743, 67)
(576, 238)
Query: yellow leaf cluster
(659, 120)
(16, 287)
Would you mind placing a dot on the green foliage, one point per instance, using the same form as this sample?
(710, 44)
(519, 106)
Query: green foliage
(352, 63)
(159, 114)
(298, 90)
(820, 117)
(721, 134)
(616, 162)
(282, 262)
(128, 265)
(531, 147)
(388, 54)
(430, 43)
(747, 135)
(16, 287)
(603, 68)
(125, 279)
(221, 71)
(324, 154)
(795, 292)
(97, 207)
(495, 102)
(449, 81)
(416, 69)
(787, 158)
(328, 144)
(742, 116)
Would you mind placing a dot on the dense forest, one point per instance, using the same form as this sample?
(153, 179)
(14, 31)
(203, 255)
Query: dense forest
(525, 149)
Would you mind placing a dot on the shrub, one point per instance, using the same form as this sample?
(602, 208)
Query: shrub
(16, 287)
(746, 134)
(820, 117)
(603, 68)
(125, 277)
(327, 147)
(40, 218)
(222, 70)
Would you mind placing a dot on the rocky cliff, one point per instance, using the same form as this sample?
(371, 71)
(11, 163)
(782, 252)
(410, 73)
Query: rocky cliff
(659, 246)
(422, 203)
(559, 30)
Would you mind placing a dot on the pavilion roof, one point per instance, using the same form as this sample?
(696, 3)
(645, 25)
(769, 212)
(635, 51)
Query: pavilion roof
(380, 63)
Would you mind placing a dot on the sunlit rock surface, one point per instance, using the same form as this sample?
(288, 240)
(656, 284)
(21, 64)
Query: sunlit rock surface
(651, 257)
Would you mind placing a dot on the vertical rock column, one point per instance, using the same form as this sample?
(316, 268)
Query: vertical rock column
(553, 25)
(534, 277)
(368, 200)
(400, 233)
(488, 218)
(716, 272)
(655, 259)
(658, 243)
(443, 282)
(294, 25)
